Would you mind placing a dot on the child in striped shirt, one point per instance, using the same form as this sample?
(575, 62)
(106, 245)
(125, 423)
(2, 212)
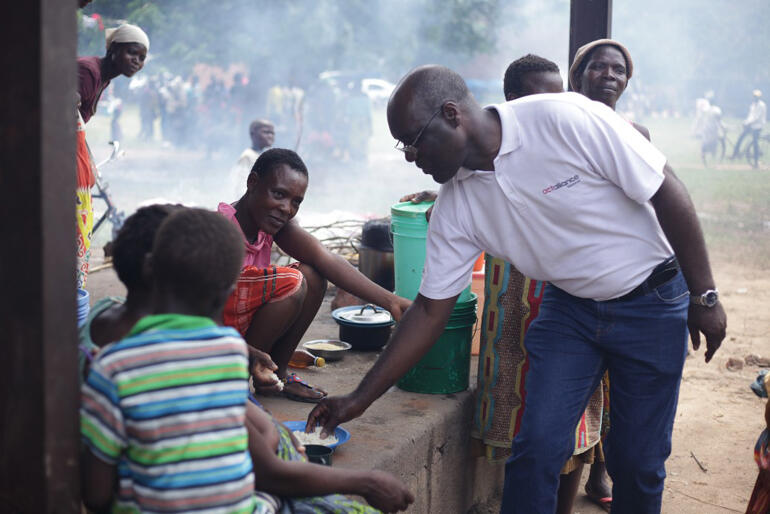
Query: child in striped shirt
(163, 410)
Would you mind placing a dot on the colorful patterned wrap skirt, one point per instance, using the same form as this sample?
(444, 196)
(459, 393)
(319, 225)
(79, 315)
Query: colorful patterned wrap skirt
(512, 303)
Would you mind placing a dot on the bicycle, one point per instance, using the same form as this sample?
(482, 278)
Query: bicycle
(763, 148)
(112, 214)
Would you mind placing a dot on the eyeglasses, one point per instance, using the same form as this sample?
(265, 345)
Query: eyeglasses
(411, 150)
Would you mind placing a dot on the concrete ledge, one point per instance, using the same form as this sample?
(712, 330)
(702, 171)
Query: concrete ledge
(424, 439)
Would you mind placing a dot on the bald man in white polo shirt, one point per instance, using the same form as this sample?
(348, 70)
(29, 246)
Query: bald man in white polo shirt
(571, 194)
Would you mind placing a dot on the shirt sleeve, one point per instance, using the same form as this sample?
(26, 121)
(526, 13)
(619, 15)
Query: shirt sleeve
(619, 153)
(450, 249)
(101, 418)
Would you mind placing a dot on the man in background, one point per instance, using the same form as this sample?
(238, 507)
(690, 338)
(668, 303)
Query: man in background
(753, 125)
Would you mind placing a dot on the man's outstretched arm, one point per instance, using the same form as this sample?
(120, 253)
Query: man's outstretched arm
(677, 218)
(418, 330)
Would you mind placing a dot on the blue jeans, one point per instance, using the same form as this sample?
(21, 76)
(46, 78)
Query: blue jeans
(643, 343)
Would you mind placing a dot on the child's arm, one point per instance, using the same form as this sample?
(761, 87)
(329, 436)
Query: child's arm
(98, 482)
(305, 248)
(301, 479)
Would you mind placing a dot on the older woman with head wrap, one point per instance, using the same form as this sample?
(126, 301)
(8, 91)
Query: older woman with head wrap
(601, 70)
(127, 47)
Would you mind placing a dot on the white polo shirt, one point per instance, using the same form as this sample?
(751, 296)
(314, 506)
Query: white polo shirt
(568, 202)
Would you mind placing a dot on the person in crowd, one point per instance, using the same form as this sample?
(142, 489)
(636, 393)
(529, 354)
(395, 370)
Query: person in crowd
(753, 125)
(163, 413)
(262, 135)
(127, 47)
(513, 303)
(273, 306)
(708, 127)
(572, 194)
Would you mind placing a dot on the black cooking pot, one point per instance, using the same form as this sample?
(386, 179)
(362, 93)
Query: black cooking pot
(365, 327)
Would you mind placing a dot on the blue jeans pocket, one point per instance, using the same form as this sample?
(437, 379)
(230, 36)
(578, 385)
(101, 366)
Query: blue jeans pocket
(672, 291)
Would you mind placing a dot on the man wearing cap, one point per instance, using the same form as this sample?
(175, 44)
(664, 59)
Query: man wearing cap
(127, 47)
(753, 125)
(611, 224)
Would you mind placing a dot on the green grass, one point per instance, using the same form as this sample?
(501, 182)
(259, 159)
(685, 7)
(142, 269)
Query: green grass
(732, 200)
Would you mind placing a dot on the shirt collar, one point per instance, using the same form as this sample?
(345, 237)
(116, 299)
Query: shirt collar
(509, 124)
(510, 137)
(170, 322)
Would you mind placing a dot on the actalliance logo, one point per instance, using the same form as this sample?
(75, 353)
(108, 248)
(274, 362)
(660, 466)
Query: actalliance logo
(567, 183)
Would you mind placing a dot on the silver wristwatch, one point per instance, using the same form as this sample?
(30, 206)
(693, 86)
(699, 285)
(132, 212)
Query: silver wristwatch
(707, 299)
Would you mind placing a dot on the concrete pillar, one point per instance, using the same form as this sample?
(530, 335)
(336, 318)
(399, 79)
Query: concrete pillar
(588, 20)
(38, 376)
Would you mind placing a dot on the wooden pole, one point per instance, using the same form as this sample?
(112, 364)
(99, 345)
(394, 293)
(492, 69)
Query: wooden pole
(39, 397)
(588, 20)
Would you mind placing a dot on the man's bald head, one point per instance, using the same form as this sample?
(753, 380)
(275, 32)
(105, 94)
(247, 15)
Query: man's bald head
(423, 90)
(428, 86)
(432, 113)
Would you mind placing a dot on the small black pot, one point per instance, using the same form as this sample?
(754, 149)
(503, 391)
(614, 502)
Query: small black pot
(363, 336)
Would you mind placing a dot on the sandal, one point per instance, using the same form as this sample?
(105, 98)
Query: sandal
(292, 378)
(605, 502)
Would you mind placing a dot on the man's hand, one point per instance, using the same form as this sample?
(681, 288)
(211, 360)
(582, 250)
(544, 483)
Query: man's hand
(386, 492)
(398, 307)
(332, 411)
(712, 322)
(422, 196)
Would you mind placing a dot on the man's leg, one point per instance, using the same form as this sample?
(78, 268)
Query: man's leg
(645, 342)
(284, 347)
(755, 147)
(737, 147)
(564, 370)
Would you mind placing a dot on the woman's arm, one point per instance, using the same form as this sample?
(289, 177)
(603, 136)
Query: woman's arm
(305, 248)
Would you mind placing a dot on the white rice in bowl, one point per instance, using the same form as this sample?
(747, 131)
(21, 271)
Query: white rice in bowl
(314, 438)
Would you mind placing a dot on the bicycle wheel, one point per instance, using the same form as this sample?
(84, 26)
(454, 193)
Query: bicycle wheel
(763, 146)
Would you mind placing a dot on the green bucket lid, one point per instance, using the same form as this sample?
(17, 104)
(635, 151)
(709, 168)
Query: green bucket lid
(411, 210)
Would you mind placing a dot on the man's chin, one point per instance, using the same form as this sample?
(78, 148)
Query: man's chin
(442, 177)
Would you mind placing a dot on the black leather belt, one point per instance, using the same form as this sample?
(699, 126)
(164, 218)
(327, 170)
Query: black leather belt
(662, 273)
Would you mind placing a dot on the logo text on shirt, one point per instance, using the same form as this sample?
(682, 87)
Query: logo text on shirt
(574, 179)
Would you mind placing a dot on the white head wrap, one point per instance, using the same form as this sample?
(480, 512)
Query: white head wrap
(127, 33)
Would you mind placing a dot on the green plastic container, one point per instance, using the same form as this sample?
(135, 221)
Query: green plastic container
(446, 367)
(410, 229)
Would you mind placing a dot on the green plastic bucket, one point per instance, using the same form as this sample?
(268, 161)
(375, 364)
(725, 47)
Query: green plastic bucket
(446, 367)
(410, 229)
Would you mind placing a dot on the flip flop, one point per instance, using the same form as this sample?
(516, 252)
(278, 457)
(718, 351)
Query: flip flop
(292, 378)
(605, 502)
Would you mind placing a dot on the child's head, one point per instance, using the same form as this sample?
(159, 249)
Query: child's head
(134, 242)
(196, 259)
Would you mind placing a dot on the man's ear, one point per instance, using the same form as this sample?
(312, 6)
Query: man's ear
(451, 112)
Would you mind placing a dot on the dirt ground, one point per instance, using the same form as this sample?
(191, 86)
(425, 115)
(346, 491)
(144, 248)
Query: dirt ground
(719, 417)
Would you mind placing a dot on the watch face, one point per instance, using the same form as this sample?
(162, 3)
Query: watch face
(711, 298)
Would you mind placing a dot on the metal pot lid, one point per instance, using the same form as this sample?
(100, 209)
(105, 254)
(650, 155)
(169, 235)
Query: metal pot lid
(369, 315)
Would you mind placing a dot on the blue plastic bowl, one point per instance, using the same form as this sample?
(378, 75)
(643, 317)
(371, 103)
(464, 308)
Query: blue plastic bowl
(340, 433)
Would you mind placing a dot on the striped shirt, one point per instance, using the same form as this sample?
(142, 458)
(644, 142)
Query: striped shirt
(167, 405)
